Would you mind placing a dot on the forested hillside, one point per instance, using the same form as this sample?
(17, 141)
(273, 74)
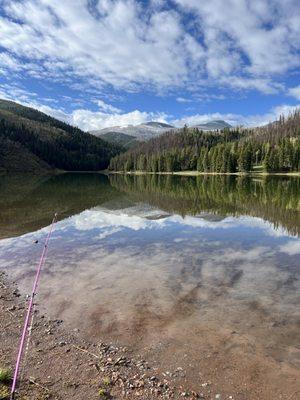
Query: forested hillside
(121, 139)
(273, 148)
(33, 141)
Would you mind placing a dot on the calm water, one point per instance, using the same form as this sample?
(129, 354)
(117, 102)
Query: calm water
(168, 264)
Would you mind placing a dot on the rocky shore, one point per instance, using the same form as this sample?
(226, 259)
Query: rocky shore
(61, 365)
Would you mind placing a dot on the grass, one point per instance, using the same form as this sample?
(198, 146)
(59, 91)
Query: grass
(5, 375)
(102, 392)
(5, 379)
(258, 168)
(4, 392)
(106, 381)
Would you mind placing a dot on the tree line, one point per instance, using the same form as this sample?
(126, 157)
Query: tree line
(273, 148)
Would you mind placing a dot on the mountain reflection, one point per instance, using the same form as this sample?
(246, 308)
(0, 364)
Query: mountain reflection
(27, 203)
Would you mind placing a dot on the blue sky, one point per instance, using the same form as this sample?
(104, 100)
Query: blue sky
(116, 62)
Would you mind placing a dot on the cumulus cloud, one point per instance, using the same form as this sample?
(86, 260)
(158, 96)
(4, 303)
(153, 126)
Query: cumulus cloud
(89, 120)
(116, 42)
(239, 119)
(94, 46)
(107, 107)
(259, 36)
(295, 92)
(291, 248)
(107, 115)
(183, 100)
(93, 120)
(131, 45)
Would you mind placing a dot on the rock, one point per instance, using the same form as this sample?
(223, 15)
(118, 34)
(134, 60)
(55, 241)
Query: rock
(62, 344)
(121, 361)
(12, 308)
(218, 396)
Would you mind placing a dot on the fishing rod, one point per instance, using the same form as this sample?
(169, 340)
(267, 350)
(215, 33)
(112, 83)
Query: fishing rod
(30, 307)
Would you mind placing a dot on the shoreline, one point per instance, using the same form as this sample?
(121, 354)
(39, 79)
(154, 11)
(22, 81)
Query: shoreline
(61, 364)
(176, 173)
(197, 173)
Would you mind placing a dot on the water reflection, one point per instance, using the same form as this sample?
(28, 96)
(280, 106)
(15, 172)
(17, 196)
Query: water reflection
(275, 199)
(28, 202)
(172, 265)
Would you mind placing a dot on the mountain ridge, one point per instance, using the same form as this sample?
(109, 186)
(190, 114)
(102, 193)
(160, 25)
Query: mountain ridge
(141, 132)
(32, 141)
(149, 130)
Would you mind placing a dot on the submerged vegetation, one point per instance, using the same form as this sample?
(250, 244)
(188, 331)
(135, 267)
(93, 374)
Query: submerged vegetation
(273, 148)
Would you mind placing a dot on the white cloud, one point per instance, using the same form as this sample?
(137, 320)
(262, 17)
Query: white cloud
(7, 62)
(183, 100)
(122, 45)
(107, 107)
(94, 120)
(238, 119)
(108, 115)
(291, 248)
(295, 92)
(259, 37)
(89, 120)
(131, 45)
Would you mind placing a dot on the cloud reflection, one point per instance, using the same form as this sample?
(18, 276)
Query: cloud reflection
(125, 274)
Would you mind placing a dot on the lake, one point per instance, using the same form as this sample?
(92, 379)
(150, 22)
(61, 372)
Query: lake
(199, 273)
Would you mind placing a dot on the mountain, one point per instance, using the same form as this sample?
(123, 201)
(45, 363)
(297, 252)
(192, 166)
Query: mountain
(121, 139)
(31, 141)
(213, 125)
(149, 130)
(141, 132)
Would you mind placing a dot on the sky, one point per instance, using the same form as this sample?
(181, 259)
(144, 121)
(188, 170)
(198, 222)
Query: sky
(101, 63)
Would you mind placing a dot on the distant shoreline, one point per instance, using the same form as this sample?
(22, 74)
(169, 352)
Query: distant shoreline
(197, 173)
(176, 173)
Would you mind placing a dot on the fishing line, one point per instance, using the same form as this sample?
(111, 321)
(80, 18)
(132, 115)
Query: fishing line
(26, 326)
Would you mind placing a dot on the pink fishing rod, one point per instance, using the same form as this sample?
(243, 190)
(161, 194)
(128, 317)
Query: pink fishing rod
(30, 306)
